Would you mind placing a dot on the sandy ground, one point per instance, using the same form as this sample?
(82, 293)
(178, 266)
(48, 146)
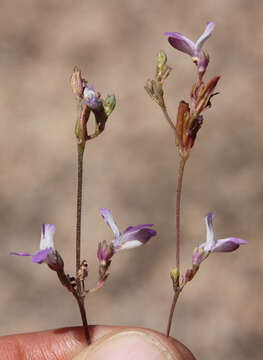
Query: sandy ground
(132, 167)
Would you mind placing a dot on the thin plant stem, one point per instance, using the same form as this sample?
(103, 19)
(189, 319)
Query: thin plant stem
(178, 209)
(79, 206)
(175, 298)
(79, 296)
(173, 127)
(178, 213)
(82, 310)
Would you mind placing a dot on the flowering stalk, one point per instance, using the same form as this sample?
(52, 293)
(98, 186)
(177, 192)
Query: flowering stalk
(88, 101)
(188, 123)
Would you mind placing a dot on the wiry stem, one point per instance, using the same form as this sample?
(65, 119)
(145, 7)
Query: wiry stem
(175, 298)
(79, 205)
(173, 127)
(178, 210)
(78, 295)
(84, 318)
(178, 213)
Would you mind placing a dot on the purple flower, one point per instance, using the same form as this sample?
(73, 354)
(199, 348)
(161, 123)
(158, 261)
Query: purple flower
(47, 252)
(182, 43)
(211, 245)
(91, 97)
(132, 237)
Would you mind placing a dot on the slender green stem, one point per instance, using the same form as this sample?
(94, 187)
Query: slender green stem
(178, 213)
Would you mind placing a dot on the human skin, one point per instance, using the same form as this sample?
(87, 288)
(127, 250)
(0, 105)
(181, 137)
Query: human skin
(107, 343)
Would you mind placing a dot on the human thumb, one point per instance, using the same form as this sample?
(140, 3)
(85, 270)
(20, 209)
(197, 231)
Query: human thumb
(135, 344)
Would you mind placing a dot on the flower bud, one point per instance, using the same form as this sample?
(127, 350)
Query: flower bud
(162, 69)
(161, 61)
(77, 82)
(109, 104)
(174, 273)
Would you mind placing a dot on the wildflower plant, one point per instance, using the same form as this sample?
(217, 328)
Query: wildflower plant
(185, 128)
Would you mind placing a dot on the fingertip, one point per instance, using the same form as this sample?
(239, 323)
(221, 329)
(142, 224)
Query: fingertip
(135, 344)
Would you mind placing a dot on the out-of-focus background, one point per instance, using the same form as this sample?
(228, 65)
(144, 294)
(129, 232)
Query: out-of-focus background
(132, 167)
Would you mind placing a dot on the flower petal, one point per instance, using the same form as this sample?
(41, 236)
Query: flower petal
(206, 34)
(107, 216)
(41, 256)
(181, 43)
(20, 253)
(47, 234)
(228, 244)
(134, 236)
(210, 236)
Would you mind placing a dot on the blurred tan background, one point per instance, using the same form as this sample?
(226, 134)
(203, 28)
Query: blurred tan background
(132, 167)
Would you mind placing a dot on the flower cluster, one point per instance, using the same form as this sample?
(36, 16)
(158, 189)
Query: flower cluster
(189, 121)
(211, 245)
(90, 101)
(132, 237)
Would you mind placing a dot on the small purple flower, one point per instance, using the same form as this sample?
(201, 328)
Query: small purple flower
(132, 237)
(47, 252)
(212, 245)
(182, 43)
(91, 97)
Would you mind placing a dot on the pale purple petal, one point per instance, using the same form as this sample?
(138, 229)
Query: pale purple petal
(20, 253)
(137, 227)
(47, 234)
(134, 236)
(206, 34)
(181, 43)
(41, 256)
(228, 244)
(210, 236)
(107, 216)
(91, 98)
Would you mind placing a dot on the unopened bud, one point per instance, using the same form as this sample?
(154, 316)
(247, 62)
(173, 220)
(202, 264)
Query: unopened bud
(77, 82)
(161, 61)
(175, 275)
(109, 104)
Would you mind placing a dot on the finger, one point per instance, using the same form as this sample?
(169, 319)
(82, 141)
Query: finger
(135, 344)
(64, 344)
(59, 344)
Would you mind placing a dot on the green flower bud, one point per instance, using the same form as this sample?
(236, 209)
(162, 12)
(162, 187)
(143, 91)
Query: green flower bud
(109, 104)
